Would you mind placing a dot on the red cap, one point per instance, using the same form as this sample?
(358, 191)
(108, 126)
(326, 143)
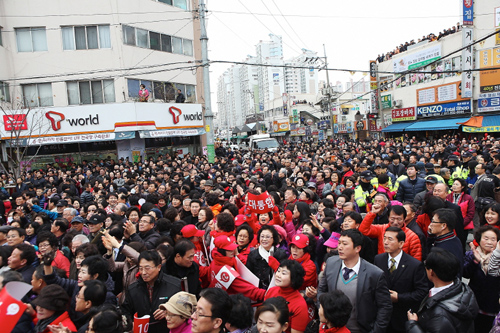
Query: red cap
(225, 243)
(239, 220)
(190, 230)
(300, 240)
(288, 215)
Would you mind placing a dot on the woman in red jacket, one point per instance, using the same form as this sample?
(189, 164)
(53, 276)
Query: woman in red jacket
(334, 312)
(300, 249)
(464, 201)
(289, 278)
(51, 306)
(244, 240)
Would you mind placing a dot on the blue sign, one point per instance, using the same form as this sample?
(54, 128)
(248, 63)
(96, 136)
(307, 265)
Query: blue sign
(468, 12)
(447, 109)
(489, 102)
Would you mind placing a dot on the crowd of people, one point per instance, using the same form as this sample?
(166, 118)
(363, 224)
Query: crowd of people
(331, 236)
(430, 37)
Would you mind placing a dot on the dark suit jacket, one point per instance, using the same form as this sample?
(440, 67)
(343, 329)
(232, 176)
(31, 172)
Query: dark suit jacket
(410, 281)
(373, 301)
(459, 227)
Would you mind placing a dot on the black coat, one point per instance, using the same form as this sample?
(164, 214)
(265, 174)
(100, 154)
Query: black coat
(451, 310)
(192, 274)
(410, 281)
(408, 189)
(137, 299)
(258, 265)
(149, 239)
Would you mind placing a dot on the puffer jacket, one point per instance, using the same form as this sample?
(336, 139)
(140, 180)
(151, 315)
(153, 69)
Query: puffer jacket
(85, 197)
(467, 206)
(451, 310)
(408, 189)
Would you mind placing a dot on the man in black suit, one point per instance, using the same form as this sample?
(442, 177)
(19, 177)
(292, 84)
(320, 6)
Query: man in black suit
(362, 282)
(406, 278)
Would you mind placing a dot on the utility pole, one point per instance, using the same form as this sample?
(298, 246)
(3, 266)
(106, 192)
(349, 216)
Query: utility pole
(328, 91)
(209, 116)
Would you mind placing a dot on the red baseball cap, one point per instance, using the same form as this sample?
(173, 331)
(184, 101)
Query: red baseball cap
(190, 230)
(225, 243)
(288, 215)
(300, 240)
(239, 220)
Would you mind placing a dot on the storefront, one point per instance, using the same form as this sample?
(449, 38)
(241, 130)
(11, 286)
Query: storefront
(131, 131)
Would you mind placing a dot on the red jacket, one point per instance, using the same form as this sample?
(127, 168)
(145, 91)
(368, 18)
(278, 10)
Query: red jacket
(239, 286)
(468, 208)
(311, 276)
(297, 306)
(60, 261)
(63, 319)
(324, 329)
(412, 244)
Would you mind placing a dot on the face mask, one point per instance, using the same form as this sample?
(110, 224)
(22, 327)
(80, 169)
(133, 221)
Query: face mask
(10, 219)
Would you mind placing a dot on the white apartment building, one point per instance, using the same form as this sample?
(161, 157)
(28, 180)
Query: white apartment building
(88, 58)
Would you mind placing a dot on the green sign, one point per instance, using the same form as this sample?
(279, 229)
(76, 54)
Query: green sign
(386, 101)
(211, 153)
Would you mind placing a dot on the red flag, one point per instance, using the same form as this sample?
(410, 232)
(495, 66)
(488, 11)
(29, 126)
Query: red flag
(260, 204)
(11, 307)
(141, 325)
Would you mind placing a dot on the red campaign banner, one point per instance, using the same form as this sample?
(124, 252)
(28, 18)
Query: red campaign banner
(15, 122)
(260, 204)
(11, 307)
(141, 325)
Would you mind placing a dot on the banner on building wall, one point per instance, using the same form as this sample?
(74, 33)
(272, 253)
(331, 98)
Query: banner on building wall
(404, 114)
(488, 102)
(489, 80)
(282, 126)
(467, 61)
(468, 12)
(386, 101)
(417, 59)
(387, 119)
(444, 93)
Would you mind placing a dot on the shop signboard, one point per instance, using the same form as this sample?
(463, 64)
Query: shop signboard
(417, 59)
(387, 119)
(489, 80)
(467, 61)
(446, 109)
(405, 114)
(488, 102)
(343, 128)
(282, 126)
(386, 101)
(468, 12)
(361, 125)
(99, 119)
(439, 94)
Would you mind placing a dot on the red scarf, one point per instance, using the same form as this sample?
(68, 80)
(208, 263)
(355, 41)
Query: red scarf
(309, 202)
(324, 329)
(215, 234)
(221, 260)
(302, 259)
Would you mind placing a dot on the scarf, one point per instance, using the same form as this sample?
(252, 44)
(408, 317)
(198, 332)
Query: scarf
(221, 260)
(324, 329)
(41, 325)
(485, 259)
(309, 201)
(302, 259)
(266, 254)
(216, 233)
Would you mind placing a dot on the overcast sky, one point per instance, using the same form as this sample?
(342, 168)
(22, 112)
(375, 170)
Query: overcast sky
(353, 32)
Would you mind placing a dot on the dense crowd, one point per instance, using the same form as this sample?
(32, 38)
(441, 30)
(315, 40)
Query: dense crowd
(335, 236)
(430, 37)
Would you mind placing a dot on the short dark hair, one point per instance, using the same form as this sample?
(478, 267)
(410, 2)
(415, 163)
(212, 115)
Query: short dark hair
(411, 165)
(278, 306)
(95, 292)
(27, 252)
(182, 246)
(97, 265)
(398, 210)
(150, 255)
(9, 276)
(21, 232)
(87, 249)
(270, 228)
(355, 216)
(336, 307)
(220, 301)
(297, 272)
(241, 311)
(448, 216)
(328, 203)
(383, 178)
(479, 233)
(355, 235)
(294, 190)
(62, 223)
(212, 198)
(47, 236)
(248, 229)
(443, 263)
(225, 222)
(400, 234)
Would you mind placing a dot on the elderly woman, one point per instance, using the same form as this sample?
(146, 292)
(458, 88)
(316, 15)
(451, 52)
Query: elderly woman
(179, 309)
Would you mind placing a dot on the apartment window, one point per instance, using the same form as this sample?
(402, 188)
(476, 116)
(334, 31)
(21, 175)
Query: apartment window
(4, 92)
(39, 94)
(156, 41)
(91, 92)
(182, 4)
(89, 37)
(165, 91)
(31, 39)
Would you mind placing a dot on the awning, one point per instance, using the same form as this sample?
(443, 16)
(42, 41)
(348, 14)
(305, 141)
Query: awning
(436, 125)
(248, 127)
(482, 124)
(396, 127)
(50, 140)
(236, 130)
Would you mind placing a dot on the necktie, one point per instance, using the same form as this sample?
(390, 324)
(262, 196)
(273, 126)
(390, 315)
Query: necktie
(347, 272)
(393, 266)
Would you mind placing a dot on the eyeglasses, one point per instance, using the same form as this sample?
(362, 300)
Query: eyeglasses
(43, 246)
(432, 221)
(145, 268)
(266, 237)
(197, 314)
(170, 315)
(396, 219)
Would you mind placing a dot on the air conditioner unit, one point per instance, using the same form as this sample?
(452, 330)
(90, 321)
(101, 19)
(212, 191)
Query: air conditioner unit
(397, 103)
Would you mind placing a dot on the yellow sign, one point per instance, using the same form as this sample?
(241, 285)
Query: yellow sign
(207, 128)
(497, 38)
(469, 129)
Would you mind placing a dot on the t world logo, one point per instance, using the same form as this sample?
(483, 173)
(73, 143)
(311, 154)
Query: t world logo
(176, 115)
(56, 118)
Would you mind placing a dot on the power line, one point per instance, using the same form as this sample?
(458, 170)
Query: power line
(95, 14)
(279, 10)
